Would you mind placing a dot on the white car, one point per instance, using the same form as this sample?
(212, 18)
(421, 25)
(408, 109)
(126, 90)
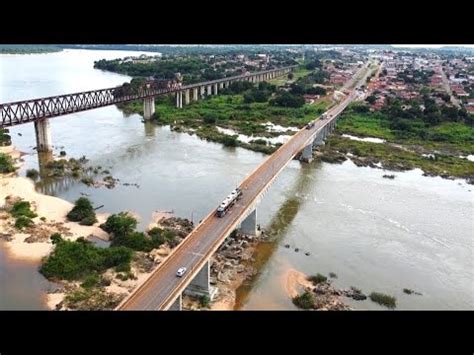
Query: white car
(181, 271)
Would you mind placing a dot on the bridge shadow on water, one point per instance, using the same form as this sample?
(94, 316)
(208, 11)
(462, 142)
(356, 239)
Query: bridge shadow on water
(277, 229)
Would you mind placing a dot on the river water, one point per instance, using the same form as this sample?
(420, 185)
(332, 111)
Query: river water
(376, 234)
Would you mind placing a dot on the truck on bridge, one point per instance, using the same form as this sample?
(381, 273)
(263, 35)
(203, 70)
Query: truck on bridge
(228, 202)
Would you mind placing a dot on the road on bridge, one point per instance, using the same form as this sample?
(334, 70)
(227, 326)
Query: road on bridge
(163, 286)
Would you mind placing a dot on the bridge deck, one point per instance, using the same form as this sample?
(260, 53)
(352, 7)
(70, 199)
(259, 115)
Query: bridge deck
(160, 290)
(162, 287)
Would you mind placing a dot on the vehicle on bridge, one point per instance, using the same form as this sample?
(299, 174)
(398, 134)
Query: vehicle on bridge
(181, 271)
(324, 116)
(310, 125)
(228, 202)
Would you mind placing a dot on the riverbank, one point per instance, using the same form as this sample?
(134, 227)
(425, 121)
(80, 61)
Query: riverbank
(394, 157)
(320, 294)
(33, 243)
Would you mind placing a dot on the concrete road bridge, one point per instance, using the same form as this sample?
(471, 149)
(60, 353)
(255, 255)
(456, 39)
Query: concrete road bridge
(163, 289)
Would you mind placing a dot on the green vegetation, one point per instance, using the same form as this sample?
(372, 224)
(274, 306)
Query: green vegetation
(119, 224)
(384, 300)
(23, 214)
(318, 278)
(91, 299)
(122, 226)
(5, 138)
(408, 291)
(75, 260)
(22, 209)
(23, 222)
(6, 164)
(304, 301)
(160, 236)
(27, 48)
(94, 280)
(32, 174)
(332, 275)
(396, 158)
(204, 301)
(136, 241)
(82, 212)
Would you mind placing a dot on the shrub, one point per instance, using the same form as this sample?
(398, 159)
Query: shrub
(119, 224)
(32, 174)
(384, 300)
(332, 275)
(22, 222)
(82, 212)
(229, 141)
(408, 291)
(86, 180)
(304, 301)
(158, 237)
(318, 278)
(88, 221)
(204, 301)
(91, 281)
(135, 240)
(6, 164)
(125, 267)
(5, 138)
(22, 209)
(73, 260)
(62, 153)
(209, 119)
(43, 219)
(288, 100)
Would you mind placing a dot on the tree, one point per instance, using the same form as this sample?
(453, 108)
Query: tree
(288, 100)
(82, 212)
(291, 76)
(371, 99)
(120, 224)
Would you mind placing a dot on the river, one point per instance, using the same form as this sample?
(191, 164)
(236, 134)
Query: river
(374, 233)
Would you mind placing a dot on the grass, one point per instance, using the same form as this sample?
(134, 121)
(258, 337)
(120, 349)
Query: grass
(384, 300)
(447, 136)
(231, 112)
(400, 159)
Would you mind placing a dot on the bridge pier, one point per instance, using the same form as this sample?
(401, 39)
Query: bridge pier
(186, 97)
(195, 94)
(215, 89)
(209, 90)
(200, 285)
(177, 305)
(43, 135)
(249, 224)
(148, 107)
(307, 153)
(221, 85)
(179, 99)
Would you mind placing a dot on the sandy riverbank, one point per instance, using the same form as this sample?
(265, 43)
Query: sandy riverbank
(52, 208)
(293, 280)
